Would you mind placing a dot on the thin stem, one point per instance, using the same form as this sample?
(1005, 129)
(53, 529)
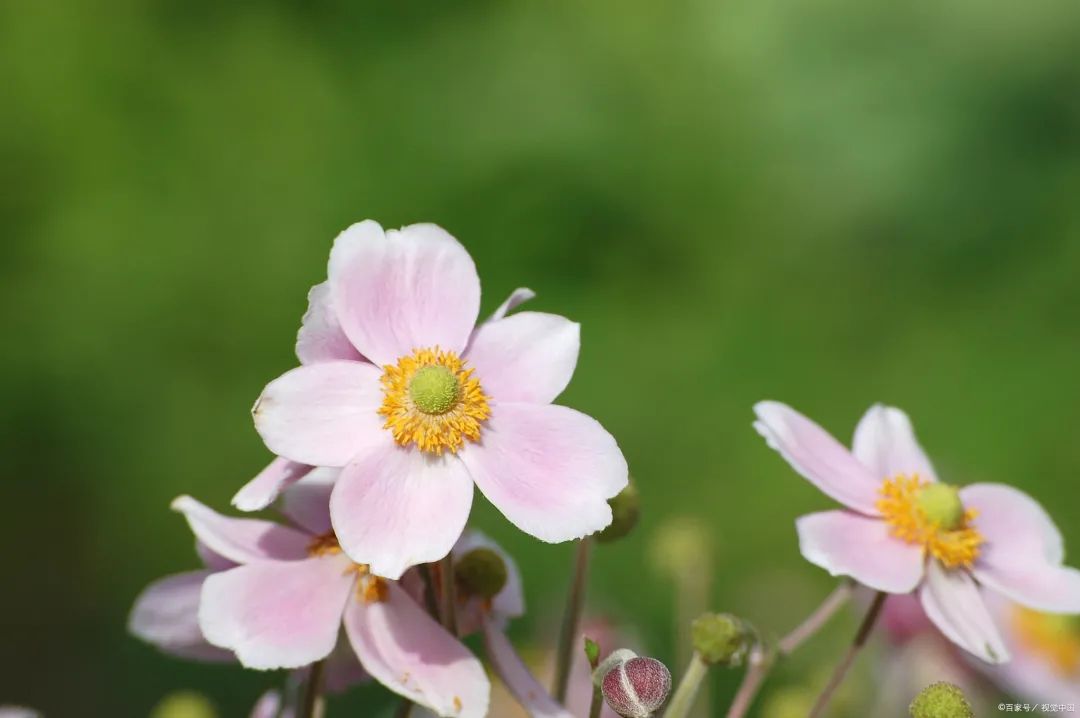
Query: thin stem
(403, 709)
(431, 592)
(760, 664)
(575, 603)
(597, 704)
(683, 700)
(448, 594)
(309, 700)
(816, 620)
(861, 637)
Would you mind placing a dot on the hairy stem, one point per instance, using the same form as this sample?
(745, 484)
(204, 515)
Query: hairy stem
(760, 663)
(861, 637)
(575, 603)
(309, 699)
(683, 701)
(597, 704)
(448, 594)
(816, 620)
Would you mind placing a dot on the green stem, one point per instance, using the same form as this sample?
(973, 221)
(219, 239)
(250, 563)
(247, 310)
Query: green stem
(683, 701)
(309, 700)
(597, 702)
(575, 603)
(760, 663)
(448, 594)
(845, 663)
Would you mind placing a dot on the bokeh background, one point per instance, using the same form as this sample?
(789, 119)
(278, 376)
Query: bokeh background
(828, 202)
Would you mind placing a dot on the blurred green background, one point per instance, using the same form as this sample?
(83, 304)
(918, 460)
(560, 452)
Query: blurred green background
(827, 202)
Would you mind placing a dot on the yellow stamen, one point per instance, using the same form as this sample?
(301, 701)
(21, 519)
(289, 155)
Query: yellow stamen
(953, 545)
(439, 422)
(369, 588)
(1055, 638)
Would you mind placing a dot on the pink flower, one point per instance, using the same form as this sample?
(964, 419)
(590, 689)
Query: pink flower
(904, 531)
(441, 405)
(287, 595)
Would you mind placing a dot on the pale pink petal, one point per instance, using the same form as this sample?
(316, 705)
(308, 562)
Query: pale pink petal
(848, 544)
(820, 458)
(277, 614)
(517, 297)
(261, 491)
(322, 414)
(242, 540)
(342, 669)
(166, 614)
(395, 508)
(885, 442)
(268, 705)
(407, 651)
(513, 672)
(528, 357)
(507, 603)
(1023, 552)
(212, 559)
(550, 470)
(307, 502)
(952, 601)
(403, 290)
(321, 338)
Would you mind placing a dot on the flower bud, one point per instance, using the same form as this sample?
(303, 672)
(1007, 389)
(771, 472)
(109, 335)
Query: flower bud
(625, 512)
(481, 572)
(721, 639)
(637, 688)
(592, 652)
(614, 658)
(941, 700)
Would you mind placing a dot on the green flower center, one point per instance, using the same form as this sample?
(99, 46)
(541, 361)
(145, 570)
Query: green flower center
(481, 572)
(434, 389)
(942, 506)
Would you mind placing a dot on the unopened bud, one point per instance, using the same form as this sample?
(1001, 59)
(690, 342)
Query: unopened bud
(625, 512)
(721, 639)
(481, 572)
(941, 700)
(637, 688)
(614, 658)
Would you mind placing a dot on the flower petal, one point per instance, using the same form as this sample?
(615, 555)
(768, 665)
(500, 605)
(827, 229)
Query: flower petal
(321, 338)
(397, 508)
(277, 614)
(885, 442)
(166, 614)
(268, 705)
(242, 540)
(952, 601)
(1024, 550)
(528, 357)
(550, 470)
(517, 297)
(847, 544)
(322, 414)
(261, 491)
(513, 672)
(307, 502)
(403, 290)
(818, 457)
(407, 651)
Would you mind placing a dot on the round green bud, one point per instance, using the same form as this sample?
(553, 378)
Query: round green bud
(184, 704)
(625, 512)
(721, 639)
(942, 506)
(941, 700)
(481, 572)
(433, 389)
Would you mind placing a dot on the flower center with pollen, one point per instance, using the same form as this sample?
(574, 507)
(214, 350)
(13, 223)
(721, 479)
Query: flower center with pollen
(1053, 637)
(431, 400)
(369, 588)
(932, 515)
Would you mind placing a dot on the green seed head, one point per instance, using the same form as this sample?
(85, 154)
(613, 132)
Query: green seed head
(941, 700)
(481, 572)
(625, 512)
(720, 638)
(942, 506)
(434, 389)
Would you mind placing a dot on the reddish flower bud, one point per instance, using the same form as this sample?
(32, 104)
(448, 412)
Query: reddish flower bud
(636, 688)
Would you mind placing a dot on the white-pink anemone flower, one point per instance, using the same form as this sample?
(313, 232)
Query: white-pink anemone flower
(904, 531)
(439, 404)
(292, 591)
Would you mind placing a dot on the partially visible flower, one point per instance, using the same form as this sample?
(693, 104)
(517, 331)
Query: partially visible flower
(475, 605)
(941, 700)
(437, 405)
(904, 531)
(637, 687)
(292, 590)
